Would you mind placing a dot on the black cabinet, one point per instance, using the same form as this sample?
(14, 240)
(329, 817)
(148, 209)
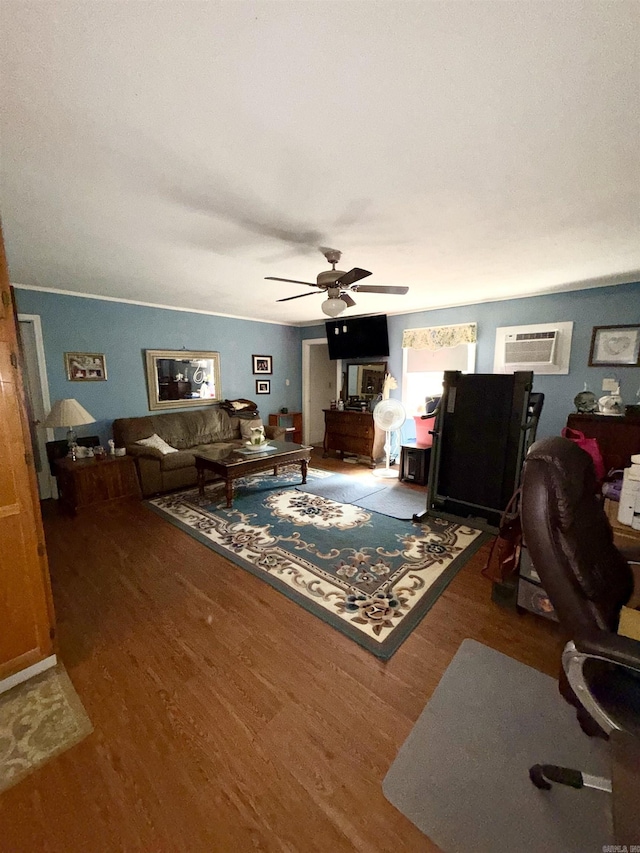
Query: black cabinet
(414, 463)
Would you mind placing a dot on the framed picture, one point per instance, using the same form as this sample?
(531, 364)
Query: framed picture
(263, 386)
(262, 364)
(615, 346)
(178, 379)
(85, 366)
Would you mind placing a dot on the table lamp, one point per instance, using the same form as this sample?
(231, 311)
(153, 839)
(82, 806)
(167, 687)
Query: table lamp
(68, 413)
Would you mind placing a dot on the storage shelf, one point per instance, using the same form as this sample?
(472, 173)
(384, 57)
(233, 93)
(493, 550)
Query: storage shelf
(292, 423)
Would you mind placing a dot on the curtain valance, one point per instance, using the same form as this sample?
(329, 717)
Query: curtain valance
(439, 337)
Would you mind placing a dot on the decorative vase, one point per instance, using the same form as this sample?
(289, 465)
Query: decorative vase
(586, 402)
(257, 435)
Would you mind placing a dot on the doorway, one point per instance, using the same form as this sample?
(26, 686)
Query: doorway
(319, 384)
(37, 391)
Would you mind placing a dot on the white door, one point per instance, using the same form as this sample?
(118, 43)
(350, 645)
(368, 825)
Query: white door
(37, 389)
(319, 384)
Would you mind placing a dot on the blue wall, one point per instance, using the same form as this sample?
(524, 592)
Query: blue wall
(123, 331)
(602, 306)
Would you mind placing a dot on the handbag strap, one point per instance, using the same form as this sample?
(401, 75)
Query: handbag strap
(510, 507)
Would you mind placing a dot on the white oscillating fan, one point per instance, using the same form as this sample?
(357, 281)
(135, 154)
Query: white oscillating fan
(389, 415)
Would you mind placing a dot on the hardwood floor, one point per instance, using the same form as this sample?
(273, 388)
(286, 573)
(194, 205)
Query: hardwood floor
(226, 717)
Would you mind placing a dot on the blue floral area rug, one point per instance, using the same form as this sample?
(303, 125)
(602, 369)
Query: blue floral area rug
(369, 575)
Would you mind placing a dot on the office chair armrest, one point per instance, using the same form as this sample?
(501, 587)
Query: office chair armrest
(610, 647)
(604, 646)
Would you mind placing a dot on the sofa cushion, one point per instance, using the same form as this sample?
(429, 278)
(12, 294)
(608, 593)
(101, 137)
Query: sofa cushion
(158, 443)
(189, 429)
(179, 429)
(144, 451)
(179, 459)
(186, 458)
(247, 426)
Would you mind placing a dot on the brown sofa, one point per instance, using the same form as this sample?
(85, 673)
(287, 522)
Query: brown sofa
(209, 429)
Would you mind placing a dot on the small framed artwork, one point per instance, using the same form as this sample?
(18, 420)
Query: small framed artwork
(615, 346)
(85, 366)
(263, 386)
(262, 364)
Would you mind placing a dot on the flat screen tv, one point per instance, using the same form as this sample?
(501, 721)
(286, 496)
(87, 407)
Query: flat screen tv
(358, 337)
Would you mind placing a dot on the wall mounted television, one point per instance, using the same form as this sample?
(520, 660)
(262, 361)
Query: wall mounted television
(358, 337)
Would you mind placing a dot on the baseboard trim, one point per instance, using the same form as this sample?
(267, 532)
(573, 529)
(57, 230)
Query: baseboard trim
(26, 674)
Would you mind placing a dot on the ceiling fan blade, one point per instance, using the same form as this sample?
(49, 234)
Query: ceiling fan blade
(290, 280)
(373, 288)
(299, 296)
(346, 298)
(352, 276)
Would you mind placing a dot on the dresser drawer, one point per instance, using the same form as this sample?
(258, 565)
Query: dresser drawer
(349, 444)
(362, 431)
(352, 432)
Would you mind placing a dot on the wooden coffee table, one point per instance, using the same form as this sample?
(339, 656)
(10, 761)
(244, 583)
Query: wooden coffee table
(238, 464)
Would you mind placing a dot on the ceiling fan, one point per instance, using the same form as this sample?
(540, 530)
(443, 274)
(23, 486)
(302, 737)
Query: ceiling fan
(337, 284)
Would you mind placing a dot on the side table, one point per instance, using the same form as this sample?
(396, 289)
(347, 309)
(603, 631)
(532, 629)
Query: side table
(291, 422)
(86, 482)
(414, 463)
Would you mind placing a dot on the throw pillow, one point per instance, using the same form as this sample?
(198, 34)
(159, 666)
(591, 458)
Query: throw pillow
(247, 426)
(158, 443)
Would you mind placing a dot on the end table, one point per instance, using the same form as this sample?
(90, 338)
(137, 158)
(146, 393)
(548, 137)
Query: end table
(86, 482)
(414, 463)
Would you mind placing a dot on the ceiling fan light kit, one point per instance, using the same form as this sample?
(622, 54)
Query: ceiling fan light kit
(337, 284)
(333, 306)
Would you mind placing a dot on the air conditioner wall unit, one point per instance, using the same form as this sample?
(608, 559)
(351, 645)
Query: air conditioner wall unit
(527, 349)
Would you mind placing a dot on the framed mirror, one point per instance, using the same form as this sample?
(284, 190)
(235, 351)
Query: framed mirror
(180, 378)
(365, 381)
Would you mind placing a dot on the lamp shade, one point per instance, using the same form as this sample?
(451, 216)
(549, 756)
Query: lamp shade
(333, 307)
(68, 413)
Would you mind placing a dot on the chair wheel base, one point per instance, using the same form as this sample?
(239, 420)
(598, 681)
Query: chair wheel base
(537, 777)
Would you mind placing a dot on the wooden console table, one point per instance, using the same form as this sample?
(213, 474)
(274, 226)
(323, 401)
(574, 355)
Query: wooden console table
(618, 437)
(353, 432)
(87, 482)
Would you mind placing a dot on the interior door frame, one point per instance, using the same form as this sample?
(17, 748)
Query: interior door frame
(307, 385)
(46, 483)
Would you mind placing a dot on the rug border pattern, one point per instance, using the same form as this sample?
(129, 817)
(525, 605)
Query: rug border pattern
(381, 648)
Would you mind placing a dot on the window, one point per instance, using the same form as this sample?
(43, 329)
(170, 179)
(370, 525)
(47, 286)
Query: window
(427, 353)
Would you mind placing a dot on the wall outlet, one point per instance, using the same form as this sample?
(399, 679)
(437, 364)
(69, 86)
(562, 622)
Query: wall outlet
(610, 385)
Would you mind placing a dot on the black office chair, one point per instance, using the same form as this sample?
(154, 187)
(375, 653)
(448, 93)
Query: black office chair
(588, 580)
(59, 449)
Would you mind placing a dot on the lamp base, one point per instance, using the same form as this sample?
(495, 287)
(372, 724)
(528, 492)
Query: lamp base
(72, 441)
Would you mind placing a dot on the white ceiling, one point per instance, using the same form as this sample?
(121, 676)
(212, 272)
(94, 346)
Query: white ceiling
(176, 153)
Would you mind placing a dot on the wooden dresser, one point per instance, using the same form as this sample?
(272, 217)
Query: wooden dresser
(618, 437)
(353, 432)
